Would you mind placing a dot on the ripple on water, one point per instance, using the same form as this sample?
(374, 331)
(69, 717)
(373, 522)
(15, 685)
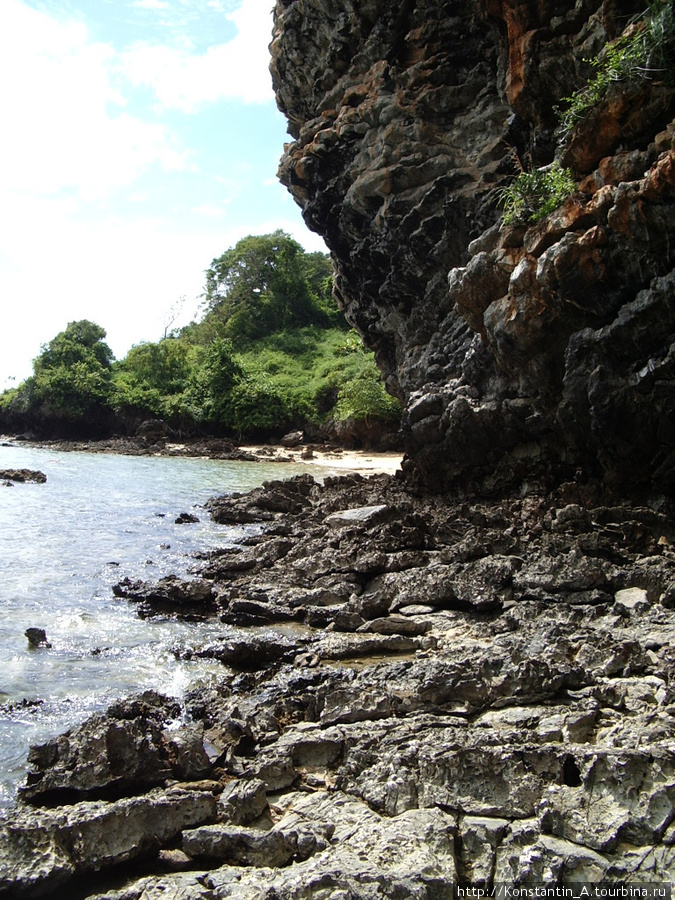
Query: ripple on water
(63, 544)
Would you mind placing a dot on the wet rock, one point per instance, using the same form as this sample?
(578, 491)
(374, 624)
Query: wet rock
(188, 756)
(23, 475)
(168, 595)
(186, 519)
(264, 504)
(37, 637)
(251, 653)
(121, 752)
(540, 714)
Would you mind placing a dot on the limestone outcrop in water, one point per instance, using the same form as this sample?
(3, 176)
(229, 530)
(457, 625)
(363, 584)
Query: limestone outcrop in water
(512, 348)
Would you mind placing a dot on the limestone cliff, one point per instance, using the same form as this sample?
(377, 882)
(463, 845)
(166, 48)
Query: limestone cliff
(513, 349)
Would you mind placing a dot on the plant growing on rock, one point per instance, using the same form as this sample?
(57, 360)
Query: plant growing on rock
(532, 196)
(645, 51)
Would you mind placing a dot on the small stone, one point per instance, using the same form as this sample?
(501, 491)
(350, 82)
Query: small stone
(37, 637)
(186, 519)
(631, 600)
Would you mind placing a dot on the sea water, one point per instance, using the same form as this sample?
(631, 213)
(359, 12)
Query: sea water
(63, 545)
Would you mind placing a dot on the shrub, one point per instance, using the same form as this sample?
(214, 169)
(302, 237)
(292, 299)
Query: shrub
(645, 51)
(364, 398)
(532, 196)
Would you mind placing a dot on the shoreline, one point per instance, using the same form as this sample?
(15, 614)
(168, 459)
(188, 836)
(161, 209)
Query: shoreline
(312, 455)
(455, 677)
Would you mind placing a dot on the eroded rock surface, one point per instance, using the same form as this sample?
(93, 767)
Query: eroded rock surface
(513, 349)
(489, 697)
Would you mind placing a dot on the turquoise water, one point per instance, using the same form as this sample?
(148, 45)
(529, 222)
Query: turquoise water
(63, 544)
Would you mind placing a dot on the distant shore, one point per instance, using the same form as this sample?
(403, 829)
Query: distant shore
(366, 462)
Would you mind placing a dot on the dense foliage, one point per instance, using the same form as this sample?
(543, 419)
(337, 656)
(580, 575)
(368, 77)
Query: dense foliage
(71, 381)
(645, 51)
(532, 196)
(271, 352)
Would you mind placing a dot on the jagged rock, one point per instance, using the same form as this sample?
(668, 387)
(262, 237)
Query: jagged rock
(126, 750)
(171, 595)
(264, 504)
(251, 653)
(243, 802)
(361, 515)
(541, 714)
(40, 853)
(540, 352)
(23, 475)
(238, 845)
(37, 637)
(186, 519)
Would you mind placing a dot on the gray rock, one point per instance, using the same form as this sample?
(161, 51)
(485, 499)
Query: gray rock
(122, 751)
(238, 845)
(23, 475)
(360, 516)
(40, 852)
(243, 801)
(631, 600)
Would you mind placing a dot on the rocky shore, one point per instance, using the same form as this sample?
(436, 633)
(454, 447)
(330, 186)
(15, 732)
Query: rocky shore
(297, 450)
(475, 685)
(425, 691)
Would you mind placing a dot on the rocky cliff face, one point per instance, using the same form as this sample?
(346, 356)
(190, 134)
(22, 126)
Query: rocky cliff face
(512, 348)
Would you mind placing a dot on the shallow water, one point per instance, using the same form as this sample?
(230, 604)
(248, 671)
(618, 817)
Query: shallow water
(63, 544)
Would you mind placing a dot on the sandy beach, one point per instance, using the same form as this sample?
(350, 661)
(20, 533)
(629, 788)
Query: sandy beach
(363, 461)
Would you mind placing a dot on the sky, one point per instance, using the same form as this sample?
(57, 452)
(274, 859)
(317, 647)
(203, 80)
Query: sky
(140, 140)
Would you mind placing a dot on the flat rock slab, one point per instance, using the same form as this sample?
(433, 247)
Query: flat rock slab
(360, 516)
(42, 851)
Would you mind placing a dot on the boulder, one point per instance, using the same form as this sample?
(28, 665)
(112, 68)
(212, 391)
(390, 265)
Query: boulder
(41, 852)
(23, 476)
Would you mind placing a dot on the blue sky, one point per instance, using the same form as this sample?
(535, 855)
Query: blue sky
(141, 140)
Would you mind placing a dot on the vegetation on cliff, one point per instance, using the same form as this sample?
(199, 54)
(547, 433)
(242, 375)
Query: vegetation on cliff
(532, 196)
(644, 51)
(271, 352)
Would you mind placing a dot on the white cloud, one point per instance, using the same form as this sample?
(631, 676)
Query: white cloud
(236, 70)
(73, 244)
(151, 4)
(124, 274)
(63, 119)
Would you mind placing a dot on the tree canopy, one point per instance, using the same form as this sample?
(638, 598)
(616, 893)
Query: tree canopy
(268, 283)
(271, 352)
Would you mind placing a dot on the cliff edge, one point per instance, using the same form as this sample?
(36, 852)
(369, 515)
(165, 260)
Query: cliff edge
(518, 349)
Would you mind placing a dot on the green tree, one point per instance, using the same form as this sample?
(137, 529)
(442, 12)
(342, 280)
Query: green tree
(80, 342)
(164, 365)
(211, 384)
(72, 375)
(365, 398)
(267, 283)
(257, 406)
